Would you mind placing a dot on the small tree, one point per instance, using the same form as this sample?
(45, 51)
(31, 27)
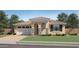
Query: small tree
(78, 23)
(14, 19)
(3, 21)
(62, 17)
(72, 21)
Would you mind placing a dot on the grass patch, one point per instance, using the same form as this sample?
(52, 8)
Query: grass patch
(52, 38)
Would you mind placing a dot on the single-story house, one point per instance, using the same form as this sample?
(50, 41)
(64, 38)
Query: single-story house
(40, 25)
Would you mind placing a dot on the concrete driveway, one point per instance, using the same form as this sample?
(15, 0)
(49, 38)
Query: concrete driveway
(14, 38)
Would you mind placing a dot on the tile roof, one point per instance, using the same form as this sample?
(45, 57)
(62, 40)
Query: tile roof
(56, 22)
(24, 23)
(40, 19)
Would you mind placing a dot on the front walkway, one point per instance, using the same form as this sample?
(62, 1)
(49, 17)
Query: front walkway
(12, 38)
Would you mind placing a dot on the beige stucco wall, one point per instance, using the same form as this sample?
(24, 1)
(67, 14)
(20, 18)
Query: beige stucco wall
(43, 32)
(32, 25)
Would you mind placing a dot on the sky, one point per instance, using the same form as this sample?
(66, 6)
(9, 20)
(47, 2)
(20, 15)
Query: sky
(27, 14)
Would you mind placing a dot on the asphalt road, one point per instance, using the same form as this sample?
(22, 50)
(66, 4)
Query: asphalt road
(34, 46)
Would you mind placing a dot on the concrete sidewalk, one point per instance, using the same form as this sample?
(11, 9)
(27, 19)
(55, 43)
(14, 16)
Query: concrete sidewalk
(12, 38)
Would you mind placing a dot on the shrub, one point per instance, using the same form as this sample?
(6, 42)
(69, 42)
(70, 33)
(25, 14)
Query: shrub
(14, 33)
(9, 33)
(73, 34)
(1, 33)
(45, 34)
(60, 34)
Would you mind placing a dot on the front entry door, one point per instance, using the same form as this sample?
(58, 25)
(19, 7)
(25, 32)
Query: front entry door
(36, 31)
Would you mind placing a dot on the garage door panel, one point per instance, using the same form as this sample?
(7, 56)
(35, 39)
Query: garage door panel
(24, 31)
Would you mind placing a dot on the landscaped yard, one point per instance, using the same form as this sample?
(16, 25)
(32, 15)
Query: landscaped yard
(53, 38)
(2, 36)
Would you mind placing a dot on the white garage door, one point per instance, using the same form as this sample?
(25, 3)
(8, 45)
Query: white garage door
(23, 31)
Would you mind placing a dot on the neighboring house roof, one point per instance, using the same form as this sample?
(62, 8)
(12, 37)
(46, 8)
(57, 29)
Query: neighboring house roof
(40, 19)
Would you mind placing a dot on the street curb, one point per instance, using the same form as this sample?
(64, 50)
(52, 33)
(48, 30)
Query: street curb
(47, 42)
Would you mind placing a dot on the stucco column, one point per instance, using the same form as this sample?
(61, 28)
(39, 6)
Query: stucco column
(32, 29)
(63, 29)
(47, 28)
(39, 28)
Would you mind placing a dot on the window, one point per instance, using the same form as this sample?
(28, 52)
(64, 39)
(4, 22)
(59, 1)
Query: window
(51, 27)
(56, 27)
(60, 27)
(23, 27)
(28, 26)
(19, 27)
